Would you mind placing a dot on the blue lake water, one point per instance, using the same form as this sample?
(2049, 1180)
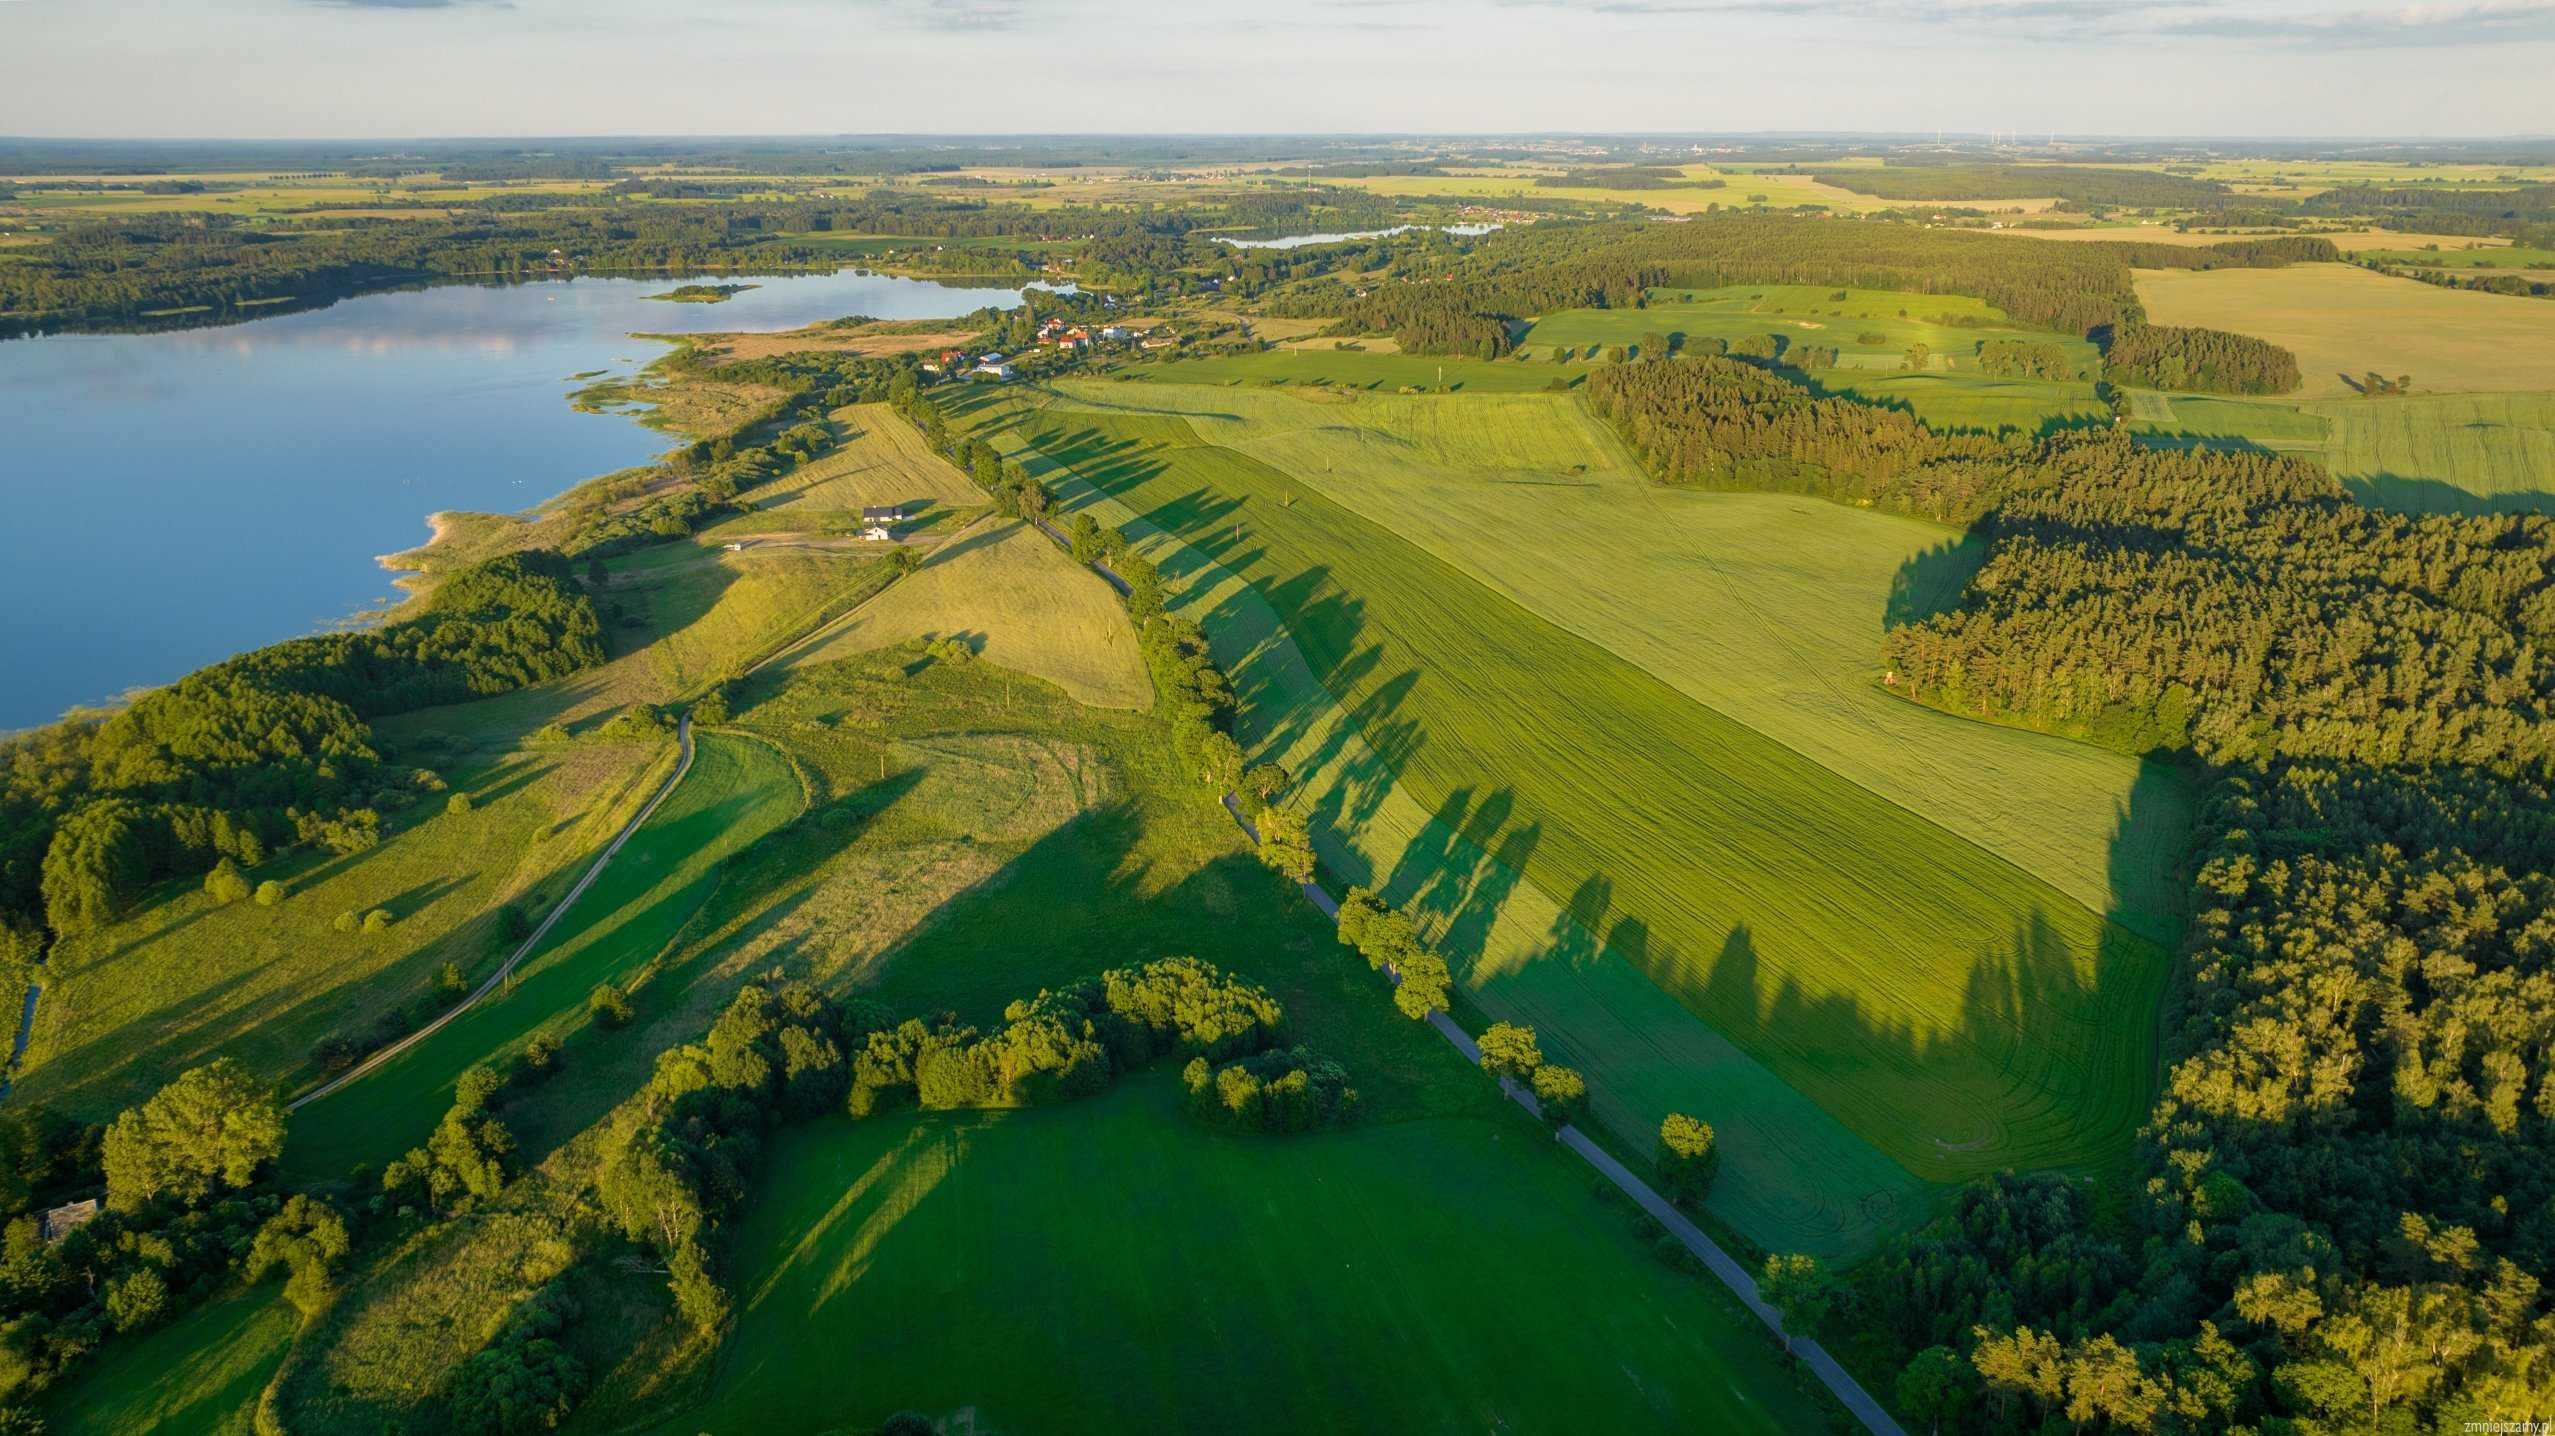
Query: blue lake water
(172, 499)
(1299, 241)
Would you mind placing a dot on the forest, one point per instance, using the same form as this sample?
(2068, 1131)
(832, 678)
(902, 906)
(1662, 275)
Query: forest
(2347, 1182)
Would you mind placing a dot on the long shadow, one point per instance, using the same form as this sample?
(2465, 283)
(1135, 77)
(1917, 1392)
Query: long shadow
(2404, 494)
(2026, 998)
(771, 877)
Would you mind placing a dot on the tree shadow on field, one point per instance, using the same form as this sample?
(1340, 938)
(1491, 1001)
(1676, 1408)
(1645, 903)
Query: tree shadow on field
(1932, 582)
(771, 878)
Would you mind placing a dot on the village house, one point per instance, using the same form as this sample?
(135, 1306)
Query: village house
(878, 521)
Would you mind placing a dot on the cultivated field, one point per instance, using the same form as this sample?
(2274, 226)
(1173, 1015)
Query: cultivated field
(1008, 592)
(1950, 326)
(2445, 452)
(2342, 322)
(1163, 1272)
(1688, 869)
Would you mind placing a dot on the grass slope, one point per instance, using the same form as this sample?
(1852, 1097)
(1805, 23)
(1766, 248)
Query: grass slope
(738, 788)
(880, 459)
(184, 980)
(199, 1374)
(1020, 602)
(1766, 607)
(1348, 1292)
(1951, 1009)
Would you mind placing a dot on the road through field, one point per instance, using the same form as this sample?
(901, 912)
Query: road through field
(1840, 1382)
(682, 765)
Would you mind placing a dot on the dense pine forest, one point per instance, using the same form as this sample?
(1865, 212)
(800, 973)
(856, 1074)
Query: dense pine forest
(2348, 1183)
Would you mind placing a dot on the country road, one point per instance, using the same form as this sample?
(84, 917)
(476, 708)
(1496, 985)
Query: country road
(1839, 1382)
(682, 765)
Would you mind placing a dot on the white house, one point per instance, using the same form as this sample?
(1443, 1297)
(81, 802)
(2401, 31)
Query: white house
(994, 370)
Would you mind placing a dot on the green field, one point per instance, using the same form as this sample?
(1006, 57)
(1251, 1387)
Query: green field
(1951, 327)
(183, 979)
(1972, 402)
(738, 789)
(2429, 453)
(1953, 1010)
(1349, 1292)
(2482, 256)
(1356, 369)
(199, 1374)
(2419, 453)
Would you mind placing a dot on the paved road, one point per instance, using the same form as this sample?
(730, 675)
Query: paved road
(682, 765)
(1837, 1379)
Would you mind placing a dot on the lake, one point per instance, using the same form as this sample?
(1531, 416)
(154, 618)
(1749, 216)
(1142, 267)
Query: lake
(1299, 241)
(176, 498)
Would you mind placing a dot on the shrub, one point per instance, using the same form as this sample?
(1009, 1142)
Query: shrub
(225, 884)
(348, 921)
(608, 1006)
(378, 920)
(1289, 1090)
(458, 805)
(269, 893)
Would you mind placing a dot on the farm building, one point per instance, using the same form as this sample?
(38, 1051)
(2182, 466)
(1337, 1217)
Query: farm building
(878, 521)
(61, 1221)
(995, 370)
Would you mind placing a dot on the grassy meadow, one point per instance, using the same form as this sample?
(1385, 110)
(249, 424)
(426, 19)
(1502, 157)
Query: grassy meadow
(1020, 602)
(880, 459)
(184, 979)
(1966, 1015)
(1348, 1293)
(737, 789)
(2342, 322)
(1951, 327)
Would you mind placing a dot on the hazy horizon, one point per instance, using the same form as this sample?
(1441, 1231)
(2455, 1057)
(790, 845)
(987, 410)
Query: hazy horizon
(455, 69)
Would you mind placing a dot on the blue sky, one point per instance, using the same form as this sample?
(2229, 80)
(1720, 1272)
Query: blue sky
(363, 68)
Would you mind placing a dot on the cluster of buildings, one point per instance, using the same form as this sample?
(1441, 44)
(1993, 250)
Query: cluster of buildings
(1056, 334)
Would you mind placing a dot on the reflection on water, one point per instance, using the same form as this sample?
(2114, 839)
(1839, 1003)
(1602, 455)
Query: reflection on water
(1299, 241)
(177, 497)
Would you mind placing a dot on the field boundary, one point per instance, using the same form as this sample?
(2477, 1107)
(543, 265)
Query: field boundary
(1840, 1383)
(506, 969)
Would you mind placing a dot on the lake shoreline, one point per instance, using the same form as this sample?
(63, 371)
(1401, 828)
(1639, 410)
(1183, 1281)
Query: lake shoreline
(492, 354)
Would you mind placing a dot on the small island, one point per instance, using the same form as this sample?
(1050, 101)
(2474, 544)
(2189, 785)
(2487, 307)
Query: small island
(703, 293)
